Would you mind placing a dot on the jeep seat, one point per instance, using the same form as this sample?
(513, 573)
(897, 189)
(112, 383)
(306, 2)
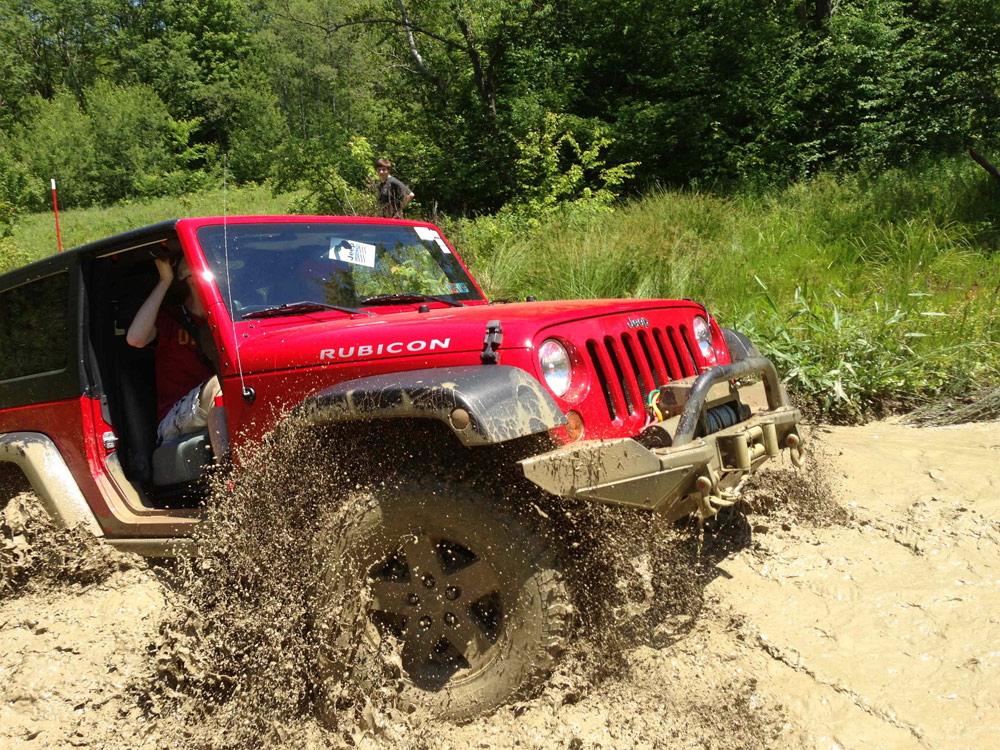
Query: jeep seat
(181, 460)
(131, 383)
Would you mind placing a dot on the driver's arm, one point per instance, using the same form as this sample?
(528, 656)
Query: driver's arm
(143, 328)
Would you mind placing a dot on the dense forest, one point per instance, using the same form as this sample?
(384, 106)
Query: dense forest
(481, 104)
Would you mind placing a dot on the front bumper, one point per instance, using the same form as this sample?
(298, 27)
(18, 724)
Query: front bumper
(693, 473)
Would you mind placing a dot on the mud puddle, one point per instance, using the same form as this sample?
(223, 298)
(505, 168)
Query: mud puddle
(859, 615)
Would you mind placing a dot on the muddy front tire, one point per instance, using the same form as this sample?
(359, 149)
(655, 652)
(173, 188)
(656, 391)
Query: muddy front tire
(463, 596)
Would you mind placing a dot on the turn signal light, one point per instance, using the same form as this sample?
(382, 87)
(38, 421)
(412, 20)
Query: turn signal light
(574, 425)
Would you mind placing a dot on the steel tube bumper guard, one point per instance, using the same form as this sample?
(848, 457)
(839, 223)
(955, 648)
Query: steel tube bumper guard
(694, 473)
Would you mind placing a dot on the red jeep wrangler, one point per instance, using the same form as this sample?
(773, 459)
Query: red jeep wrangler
(352, 321)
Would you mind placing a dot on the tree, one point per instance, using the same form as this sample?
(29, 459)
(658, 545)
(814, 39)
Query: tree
(57, 141)
(46, 45)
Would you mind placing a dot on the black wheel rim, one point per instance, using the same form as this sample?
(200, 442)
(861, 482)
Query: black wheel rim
(441, 602)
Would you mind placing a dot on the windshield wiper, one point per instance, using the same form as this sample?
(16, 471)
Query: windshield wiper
(301, 307)
(388, 299)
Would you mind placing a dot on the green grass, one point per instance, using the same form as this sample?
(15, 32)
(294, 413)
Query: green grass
(871, 294)
(35, 234)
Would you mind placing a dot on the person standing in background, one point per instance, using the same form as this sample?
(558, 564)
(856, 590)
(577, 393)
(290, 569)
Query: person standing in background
(393, 195)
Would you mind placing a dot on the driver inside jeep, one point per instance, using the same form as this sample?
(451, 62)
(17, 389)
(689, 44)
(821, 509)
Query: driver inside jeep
(187, 381)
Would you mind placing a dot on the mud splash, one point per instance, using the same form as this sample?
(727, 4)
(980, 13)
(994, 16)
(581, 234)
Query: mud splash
(35, 554)
(783, 495)
(237, 663)
(233, 663)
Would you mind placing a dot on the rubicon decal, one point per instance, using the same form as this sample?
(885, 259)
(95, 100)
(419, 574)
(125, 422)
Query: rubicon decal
(374, 350)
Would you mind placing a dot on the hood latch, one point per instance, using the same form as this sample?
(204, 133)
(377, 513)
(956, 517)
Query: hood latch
(491, 344)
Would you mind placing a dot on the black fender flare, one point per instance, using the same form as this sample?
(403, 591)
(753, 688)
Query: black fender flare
(739, 345)
(481, 404)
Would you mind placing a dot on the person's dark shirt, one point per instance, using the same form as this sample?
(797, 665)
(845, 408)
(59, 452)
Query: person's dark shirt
(179, 366)
(391, 195)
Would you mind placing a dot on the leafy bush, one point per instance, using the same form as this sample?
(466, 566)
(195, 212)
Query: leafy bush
(140, 147)
(57, 141)
(564, 178)
(122, 145)
(337, 177)
(15, 183)
(849, 361)
(561, 166)
(257, 130)
(11, 256)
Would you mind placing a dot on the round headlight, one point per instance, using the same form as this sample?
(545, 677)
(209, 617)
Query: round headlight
(554, 359)
(703, 335)
(701, 330)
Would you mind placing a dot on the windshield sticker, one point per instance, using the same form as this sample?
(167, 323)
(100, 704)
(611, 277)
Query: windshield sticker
(358, 253)
(457, 288)
(429, 235)
(426, 233)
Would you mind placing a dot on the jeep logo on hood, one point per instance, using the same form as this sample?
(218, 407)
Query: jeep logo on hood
(637, 323)
(375, 350)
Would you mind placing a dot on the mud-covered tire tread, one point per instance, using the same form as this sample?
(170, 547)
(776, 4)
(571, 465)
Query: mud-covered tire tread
(522, 531)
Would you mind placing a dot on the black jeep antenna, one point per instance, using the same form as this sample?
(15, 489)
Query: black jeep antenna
(249, 394)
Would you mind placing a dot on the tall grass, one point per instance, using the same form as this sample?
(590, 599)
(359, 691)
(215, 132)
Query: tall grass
(35, 234)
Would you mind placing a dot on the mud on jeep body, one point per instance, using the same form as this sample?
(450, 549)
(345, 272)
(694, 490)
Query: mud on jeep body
(348, 320)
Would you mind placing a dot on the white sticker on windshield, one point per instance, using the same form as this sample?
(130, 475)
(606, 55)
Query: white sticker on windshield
(358, 253)
(429, 235)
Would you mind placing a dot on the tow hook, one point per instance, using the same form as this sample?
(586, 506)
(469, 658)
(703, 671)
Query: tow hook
(795, 450)
(710, 499)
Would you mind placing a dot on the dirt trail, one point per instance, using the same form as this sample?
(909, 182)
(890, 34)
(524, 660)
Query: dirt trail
(884, 633)
(877, 630)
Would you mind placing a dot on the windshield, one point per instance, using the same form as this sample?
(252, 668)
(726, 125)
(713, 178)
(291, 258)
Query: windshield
(341, 265)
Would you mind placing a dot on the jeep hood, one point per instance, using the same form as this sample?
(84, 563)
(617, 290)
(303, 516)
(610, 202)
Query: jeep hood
(329, 338)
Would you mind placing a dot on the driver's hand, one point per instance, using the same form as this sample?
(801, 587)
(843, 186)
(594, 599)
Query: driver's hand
(164, 268)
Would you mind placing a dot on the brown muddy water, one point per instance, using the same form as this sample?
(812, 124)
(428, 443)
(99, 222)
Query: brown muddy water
(852, 605)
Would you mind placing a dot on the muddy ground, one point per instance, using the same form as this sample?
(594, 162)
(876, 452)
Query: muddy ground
(861, 609)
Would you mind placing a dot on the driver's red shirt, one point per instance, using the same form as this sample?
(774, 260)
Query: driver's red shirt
(179, 367)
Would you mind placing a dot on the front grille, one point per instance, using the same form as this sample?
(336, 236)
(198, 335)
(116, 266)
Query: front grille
(630, 365)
